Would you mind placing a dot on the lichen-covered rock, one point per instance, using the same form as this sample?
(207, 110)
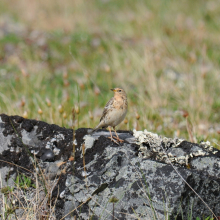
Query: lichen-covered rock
(168, 150)
(138, 174)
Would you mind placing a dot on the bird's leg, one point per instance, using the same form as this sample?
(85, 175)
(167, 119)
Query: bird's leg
(109, 128)
(118, 139)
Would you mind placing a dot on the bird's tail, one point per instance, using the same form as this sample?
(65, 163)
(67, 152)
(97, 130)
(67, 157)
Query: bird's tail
(95, 129)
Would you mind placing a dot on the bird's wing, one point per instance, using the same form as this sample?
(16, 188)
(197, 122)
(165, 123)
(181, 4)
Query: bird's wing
(107, 107)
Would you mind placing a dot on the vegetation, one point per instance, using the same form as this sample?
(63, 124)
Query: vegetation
(56, 56)
(59, 55)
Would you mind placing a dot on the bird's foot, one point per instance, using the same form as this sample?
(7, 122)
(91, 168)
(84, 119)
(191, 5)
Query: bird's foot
(118, 139)
(112, 139)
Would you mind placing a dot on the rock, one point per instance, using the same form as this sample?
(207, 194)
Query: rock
(139, 177)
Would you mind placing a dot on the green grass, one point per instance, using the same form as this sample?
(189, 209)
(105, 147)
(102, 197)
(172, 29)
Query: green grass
(165, 54)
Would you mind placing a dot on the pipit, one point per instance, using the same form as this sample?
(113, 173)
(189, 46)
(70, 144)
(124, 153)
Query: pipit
(114, 113)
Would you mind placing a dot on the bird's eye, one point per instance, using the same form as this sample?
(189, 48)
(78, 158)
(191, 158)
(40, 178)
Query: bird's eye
(119, 90)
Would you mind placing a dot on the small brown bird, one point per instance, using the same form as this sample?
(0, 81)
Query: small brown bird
(114, 112)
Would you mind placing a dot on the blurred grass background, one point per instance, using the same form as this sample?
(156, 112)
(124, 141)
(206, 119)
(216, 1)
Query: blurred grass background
(58, 55)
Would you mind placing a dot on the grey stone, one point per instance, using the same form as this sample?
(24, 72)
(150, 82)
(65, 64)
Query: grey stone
(140, 173)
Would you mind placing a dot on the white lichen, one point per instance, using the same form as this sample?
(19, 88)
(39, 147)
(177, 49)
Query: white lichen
(56, 151)
(75, 142)
(150, 142)
(62, 194)
(84, 173)
(12, 149)
(59, 137)
(34, 152)
(89, 142)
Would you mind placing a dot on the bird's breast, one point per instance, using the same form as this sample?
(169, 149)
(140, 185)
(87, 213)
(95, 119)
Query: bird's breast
(116, 116)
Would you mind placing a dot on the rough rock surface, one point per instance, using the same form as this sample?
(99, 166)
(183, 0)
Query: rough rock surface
(138, 173)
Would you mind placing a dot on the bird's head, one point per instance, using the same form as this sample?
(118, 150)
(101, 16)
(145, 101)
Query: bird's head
(119, 92)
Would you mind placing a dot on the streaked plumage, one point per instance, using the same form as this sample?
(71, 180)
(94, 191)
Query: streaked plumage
(114, 112)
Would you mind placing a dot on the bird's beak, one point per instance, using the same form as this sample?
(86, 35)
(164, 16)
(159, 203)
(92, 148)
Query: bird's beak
(113, 90)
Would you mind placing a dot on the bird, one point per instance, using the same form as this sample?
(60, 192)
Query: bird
(114, 113)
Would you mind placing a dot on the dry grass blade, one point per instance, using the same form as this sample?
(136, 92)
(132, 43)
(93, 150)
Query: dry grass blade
(189, 127)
